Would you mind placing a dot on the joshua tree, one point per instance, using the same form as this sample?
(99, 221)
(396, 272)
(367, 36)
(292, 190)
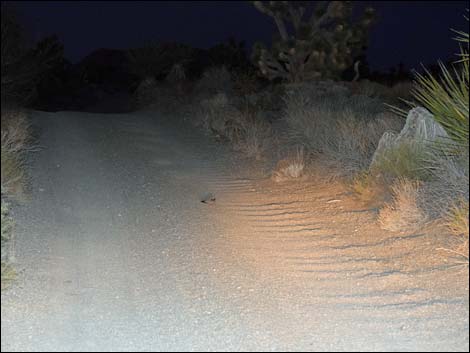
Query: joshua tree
(322, 43)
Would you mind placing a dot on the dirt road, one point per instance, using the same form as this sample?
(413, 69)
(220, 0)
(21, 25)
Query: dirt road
(116, 252)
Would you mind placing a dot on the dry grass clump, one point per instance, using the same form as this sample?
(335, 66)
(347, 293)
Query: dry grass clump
(13, 178)
(401, 90)
(245, 129)
(176, 74)
(406, 160)
(144, 95)
(344, 131)
(15, 141)
(8, 274)
(15, 137)
(213, 114)
(7, 222)
(447, 183)
(255, 137)
(372, 189)
(352, 144)
(7, 229)
(163, 96)
(291, 167)
(403, 213)
(213, 81)
(16, 130)
(457, 218)
(365, 87)
(444, 182)
(457, 222)
(245, 83)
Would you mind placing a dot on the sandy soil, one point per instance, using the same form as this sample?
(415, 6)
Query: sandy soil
(117, 253)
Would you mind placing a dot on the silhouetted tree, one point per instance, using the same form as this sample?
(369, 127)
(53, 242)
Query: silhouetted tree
(22, 67)
(322, 43)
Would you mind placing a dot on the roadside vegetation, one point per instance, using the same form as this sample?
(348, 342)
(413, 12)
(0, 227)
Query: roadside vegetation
(22, 68)
(15, 143)
(402, 148)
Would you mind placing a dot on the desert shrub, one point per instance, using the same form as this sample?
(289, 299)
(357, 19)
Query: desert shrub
(446, 163)
(405, 160)
(457, 218)
(448, 182)
(447, 99)
(15, 136)
(309, 104)
(177, 74)
(312, 92)
(16, 131)
(23, 66)
(400, 90)
(15, 139)
(371, 188)
(7, 272)
(160, 95)
(251, 132)
(255, 137)
(291, 167)
(245, 129)
(354, 142)
(12, 173)
(213, 81)
(7, 222)
(268, 100)
(156, 60)
(343, 130)
(245, 82)
(145, 95)
(403, 213)
(213, 114)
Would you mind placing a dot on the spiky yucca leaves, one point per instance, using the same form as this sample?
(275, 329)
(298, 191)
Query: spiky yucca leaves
(447, 97)
(463, 37)
(320, 47)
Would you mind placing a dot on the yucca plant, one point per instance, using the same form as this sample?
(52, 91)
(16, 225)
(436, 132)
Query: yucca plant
(447, 97)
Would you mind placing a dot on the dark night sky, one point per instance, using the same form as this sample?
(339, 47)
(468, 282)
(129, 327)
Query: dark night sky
(408, 31)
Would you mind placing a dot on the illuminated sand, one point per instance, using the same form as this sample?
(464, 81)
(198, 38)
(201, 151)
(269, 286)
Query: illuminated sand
(116, 252)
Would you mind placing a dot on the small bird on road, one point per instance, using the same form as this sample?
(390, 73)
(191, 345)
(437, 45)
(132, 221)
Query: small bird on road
(208, 198)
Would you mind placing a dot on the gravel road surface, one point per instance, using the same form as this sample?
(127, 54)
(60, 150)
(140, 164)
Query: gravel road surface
(115, 252)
